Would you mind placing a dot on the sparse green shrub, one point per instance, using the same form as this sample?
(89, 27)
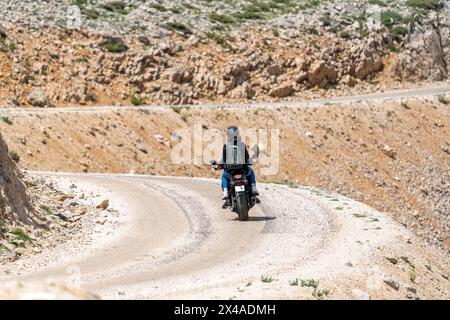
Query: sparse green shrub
(114, 6)
(80, 3)
(12, 46)
(311, 283)
(424, 4)
(400, 30)
(176, 10)
(275, 32)
(320, 294)
(179, 27)
(381, 3)
(14, 156)
(7, 120)
(218, 38)
(344, 34)
(136, 101)
(443, 99)
(390, 18)
(326, 20)
(293, 282)
(158, 7)
(115, 46)
(176, 109)
(46, 209)
(266, 279)
(20, 234)
(312, 30)
(222, 18)
(91, 13)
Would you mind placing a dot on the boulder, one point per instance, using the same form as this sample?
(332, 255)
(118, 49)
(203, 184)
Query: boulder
(423, 57)
(282, 91)
(38, 98)
(181, 76)
(274, 70)
(321, 74)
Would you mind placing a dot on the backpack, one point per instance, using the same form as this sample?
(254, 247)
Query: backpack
(235, 156)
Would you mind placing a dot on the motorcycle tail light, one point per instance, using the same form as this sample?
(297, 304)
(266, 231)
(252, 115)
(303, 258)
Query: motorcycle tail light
(238, 176)
(239, 183)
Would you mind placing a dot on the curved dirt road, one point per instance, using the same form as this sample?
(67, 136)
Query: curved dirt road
(171, 239)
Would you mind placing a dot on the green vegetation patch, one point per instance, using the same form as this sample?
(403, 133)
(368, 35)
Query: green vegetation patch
(425, 4)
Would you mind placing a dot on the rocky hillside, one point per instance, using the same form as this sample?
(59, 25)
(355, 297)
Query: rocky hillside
(34, 214)
(14, 202)
(56, 53)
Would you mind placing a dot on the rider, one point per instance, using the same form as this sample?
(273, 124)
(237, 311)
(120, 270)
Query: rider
(235, 153)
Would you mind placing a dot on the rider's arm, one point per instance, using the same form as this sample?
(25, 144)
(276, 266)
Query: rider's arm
(222, 162)
(247, 157)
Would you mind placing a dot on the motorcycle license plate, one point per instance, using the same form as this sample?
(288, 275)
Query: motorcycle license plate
(239, 188)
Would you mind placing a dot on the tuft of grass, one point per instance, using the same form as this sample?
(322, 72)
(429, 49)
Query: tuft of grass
(136, 101)
(359, 215)
(46, 209)
(443, 99)
(20, 234)
(224, 41)
(221, 18)
(310, 283)
(412, 276)
(293, 282)
(12, 46)
(405, 105)
(266, 279)
(115, 47)
(83, 59)
(320, 294)
(176, 109)
(7, 120)
(14, 156)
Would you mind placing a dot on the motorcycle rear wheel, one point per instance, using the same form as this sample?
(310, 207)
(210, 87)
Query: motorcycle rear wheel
(242, 207)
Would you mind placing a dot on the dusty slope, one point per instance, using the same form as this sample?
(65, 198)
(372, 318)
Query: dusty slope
(307, 49)
(171, 240)
(393, 156)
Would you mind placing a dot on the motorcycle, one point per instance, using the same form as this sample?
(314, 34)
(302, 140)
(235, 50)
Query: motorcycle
(240, 197)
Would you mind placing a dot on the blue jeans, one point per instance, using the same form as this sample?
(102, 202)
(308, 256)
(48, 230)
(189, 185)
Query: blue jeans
(226, 178)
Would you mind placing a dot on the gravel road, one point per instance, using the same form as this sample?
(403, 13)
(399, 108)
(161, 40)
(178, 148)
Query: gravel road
(171, 239)
(390, 95)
